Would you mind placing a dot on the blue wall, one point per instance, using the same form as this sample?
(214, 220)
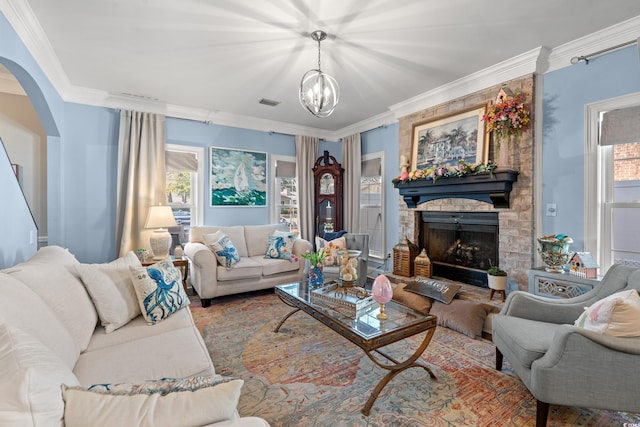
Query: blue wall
(566, 92)
(16, 244)
(189, 132)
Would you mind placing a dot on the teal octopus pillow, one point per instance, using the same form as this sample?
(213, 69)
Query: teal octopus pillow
(159, 290)
(223, 248)
(280, 246)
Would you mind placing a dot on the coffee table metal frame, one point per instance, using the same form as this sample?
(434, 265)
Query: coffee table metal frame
(402, 323)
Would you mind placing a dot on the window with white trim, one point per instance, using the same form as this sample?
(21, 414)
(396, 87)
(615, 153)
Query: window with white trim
(613, 175)
(184, 178)
(372, 203)
(285, 192)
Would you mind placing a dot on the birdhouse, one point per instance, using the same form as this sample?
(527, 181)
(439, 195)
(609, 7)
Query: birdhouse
(582, 264)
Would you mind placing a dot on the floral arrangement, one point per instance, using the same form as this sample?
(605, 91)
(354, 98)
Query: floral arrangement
(508, 117)
(436, 172)
(316, 259)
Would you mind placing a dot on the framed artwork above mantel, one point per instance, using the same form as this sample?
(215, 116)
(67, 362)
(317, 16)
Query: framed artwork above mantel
(445, 141)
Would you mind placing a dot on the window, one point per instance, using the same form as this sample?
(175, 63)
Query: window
(285, 194)
(372, 203)
(184, 177)
(613, 182)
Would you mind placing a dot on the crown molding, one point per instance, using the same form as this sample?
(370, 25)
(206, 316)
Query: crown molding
(365, 125)
(246, 122)
(515, 67)
(26, 25)
(623, 32)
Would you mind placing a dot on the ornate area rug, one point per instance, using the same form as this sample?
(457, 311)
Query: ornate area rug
(308, 375)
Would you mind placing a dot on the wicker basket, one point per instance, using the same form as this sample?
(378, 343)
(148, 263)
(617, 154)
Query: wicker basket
(403, 255)
(423, 265)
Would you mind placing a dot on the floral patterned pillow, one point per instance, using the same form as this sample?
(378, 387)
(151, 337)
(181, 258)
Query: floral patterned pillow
(280, 246)
(159, 290)
(332, 247)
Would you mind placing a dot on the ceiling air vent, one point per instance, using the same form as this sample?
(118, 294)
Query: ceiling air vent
(268, 102)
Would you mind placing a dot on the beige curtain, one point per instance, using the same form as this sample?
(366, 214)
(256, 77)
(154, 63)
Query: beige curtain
(306, 154)
(141, 177)
(352, 163)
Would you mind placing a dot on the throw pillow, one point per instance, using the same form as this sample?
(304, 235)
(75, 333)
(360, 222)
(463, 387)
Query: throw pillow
(440, 291)
(168, 402)
(30, 378)
(410, 299)
(617, 315)
(280, 245)
(159, 290)
(466, 317)
(111, 289)
(223, 248)
(332, 247)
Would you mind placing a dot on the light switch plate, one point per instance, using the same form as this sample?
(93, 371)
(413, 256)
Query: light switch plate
(552, 209)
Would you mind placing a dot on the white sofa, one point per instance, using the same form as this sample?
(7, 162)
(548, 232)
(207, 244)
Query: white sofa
(210, 279)
(51, 334)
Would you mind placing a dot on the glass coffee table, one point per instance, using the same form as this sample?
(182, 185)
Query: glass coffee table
(366, 331)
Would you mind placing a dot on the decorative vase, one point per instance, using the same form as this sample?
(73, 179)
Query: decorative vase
(316, 277)
(382, 292)
(349, 262)
(554, 252)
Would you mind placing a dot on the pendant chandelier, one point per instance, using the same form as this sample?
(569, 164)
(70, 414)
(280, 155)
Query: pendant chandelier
(319, 92)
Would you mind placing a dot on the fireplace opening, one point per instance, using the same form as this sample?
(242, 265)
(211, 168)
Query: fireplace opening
(461, 245)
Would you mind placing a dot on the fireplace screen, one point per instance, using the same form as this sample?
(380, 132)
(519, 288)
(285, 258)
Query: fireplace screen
(461, 245)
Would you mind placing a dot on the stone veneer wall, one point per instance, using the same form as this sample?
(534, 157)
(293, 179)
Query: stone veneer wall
(516, 224)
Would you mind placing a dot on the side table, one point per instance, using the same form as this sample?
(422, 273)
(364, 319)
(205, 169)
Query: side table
(559, 285)
(181, 263)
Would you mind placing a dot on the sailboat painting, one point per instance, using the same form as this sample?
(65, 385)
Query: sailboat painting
(238, 177)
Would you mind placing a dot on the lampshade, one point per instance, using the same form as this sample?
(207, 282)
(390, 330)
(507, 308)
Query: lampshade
(160, 217)
(319, 92)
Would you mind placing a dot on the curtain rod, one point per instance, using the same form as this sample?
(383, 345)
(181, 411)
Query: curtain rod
(585, 58)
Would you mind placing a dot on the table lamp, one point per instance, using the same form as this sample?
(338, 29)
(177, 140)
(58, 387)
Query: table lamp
(160, 217)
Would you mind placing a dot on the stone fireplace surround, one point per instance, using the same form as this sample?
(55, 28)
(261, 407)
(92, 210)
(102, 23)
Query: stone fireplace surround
(516, 223)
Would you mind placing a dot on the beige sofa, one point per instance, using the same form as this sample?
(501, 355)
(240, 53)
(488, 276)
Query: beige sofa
(51, 333)
(210, 279)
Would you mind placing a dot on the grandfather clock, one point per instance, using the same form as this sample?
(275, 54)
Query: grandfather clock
(327, 174)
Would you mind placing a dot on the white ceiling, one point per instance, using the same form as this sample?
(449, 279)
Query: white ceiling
(221, 57)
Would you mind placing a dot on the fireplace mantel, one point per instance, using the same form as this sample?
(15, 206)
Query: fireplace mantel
(490, 188)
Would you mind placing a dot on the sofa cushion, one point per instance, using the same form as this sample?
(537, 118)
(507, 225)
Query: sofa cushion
(22, 308)
(245, 269)
(159, 290)
(51, 274)
(280, 246)
(235, 233)
(30, 379)
(167, 402)
(111, 289)
(178, 352)
(530, 346)
(256, 237)
(276, 266)
(223, 248)
(617, 315)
